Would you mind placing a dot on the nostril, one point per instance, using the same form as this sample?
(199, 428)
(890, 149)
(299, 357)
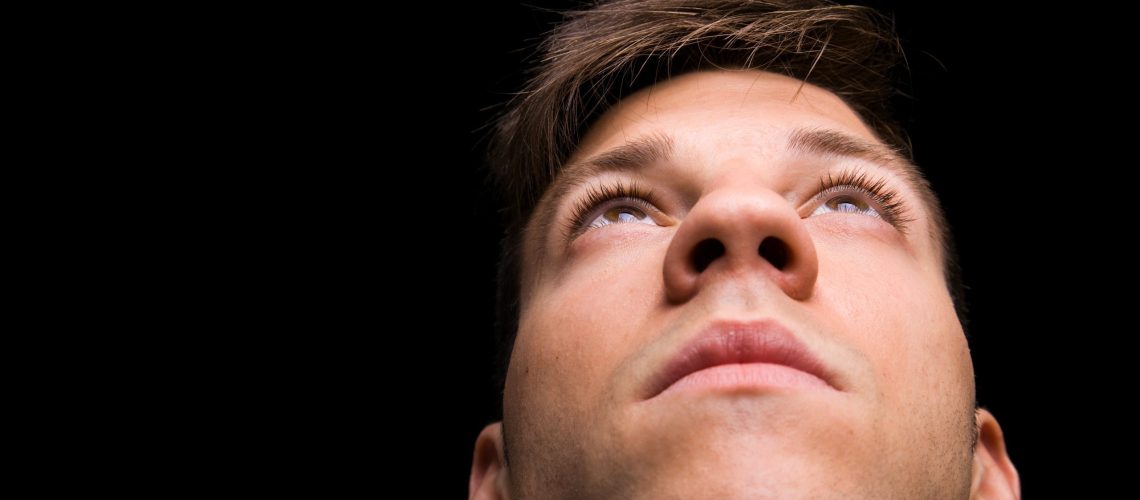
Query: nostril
(705, 253)
(775, 251)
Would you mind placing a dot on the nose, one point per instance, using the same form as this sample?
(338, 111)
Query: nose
(737, 230)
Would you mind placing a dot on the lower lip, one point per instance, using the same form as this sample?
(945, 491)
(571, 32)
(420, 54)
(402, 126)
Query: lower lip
(746, 376)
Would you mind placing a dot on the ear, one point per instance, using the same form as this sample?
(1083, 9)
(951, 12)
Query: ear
(994, 475)
(489, 467)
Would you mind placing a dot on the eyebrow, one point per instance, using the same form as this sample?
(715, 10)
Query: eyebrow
(823, 142)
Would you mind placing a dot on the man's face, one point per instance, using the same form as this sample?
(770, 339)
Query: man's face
(700, 320)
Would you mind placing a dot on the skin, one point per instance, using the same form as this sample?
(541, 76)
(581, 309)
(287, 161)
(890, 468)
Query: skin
(604, 310)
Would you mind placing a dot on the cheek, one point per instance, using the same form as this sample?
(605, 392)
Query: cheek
(580, 323)
(898, 312)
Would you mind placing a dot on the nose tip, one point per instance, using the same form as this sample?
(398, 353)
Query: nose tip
(772, 249)
(732, 233)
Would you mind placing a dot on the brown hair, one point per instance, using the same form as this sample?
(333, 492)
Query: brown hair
(617, 47)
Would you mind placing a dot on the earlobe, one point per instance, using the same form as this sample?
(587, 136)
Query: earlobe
(994, 474)
(488, 468)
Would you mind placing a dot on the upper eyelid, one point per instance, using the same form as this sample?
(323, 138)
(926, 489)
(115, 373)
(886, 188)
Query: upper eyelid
(890, 180)
(841, 187)
(581, 190)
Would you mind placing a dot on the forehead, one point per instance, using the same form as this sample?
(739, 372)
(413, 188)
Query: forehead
(758, 108)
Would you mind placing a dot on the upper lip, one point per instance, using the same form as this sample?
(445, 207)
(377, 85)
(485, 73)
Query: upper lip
(728, 342)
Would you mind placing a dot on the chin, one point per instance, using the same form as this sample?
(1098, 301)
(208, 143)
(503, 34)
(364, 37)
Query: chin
(751, 420)
(740, 474)
(746, 446)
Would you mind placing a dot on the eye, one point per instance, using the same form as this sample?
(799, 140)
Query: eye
(847, 204)
(853, 191)
(609, 204)
(620, 214)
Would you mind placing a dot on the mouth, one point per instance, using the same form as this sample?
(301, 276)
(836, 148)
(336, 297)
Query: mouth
(735, 355)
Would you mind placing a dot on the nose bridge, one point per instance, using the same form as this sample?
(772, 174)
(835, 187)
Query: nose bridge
(736, 208)
(750, 168)
(740, 225)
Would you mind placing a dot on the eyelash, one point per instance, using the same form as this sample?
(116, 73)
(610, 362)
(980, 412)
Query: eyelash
(586, 206)
(888, 203)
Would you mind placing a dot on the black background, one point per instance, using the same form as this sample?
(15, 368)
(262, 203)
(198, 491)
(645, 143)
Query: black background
(999, 108)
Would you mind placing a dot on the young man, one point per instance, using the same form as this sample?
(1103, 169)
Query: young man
(724, 278)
